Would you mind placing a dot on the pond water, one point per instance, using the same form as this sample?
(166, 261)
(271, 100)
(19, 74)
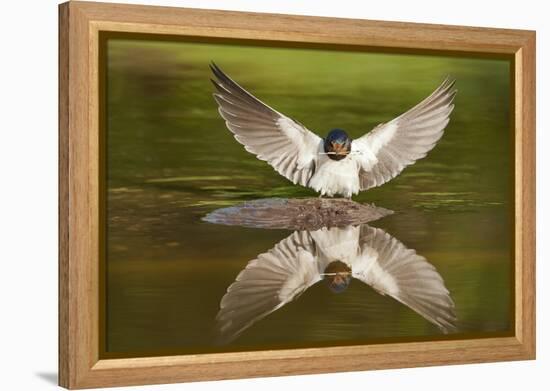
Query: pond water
(171, 161)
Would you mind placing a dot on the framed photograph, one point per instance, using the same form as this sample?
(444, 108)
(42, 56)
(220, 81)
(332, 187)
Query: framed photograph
(247, 195)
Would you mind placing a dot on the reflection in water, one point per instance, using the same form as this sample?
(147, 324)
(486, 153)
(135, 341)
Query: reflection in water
(337, 275)
(335, 255)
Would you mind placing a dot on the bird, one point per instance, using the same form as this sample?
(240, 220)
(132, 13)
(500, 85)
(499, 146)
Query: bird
(336, 256)
(335, 165)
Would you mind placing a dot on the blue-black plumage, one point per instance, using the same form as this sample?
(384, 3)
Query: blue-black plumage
(337, 144)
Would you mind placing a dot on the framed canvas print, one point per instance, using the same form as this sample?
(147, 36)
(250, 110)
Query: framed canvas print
(248, 195)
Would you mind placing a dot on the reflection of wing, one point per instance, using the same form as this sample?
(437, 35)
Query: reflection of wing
(285, 144)
(385, 151)
(267, 283)
(392, 269)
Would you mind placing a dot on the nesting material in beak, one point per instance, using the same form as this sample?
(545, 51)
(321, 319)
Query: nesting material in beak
(339, 148)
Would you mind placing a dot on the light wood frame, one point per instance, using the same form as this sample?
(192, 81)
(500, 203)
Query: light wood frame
(79, 192)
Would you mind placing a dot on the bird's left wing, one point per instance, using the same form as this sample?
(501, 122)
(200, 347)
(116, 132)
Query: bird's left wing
(395, 270)
(267, 283)
(286, 145)
(385, 151)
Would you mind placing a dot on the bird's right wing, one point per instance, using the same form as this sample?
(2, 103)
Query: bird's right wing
(286, 145)
(267, 283)
(397, 271)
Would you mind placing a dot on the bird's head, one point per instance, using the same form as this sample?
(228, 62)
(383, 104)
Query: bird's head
(337, 276)
(337, 144)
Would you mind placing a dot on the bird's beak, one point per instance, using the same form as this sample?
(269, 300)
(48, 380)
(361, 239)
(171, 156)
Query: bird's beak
(339, 148)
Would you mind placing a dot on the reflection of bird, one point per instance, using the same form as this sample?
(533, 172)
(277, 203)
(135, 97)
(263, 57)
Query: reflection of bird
(334, 165)
(335, 255)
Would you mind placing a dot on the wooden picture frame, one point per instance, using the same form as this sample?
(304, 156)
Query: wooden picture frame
(80, 24)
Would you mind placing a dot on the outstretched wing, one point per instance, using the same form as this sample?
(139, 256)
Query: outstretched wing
(279, 140)
(267, 283)
(385, 151)
(392, 269)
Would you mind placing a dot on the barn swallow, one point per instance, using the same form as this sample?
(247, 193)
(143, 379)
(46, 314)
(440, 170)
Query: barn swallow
(334, 165)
